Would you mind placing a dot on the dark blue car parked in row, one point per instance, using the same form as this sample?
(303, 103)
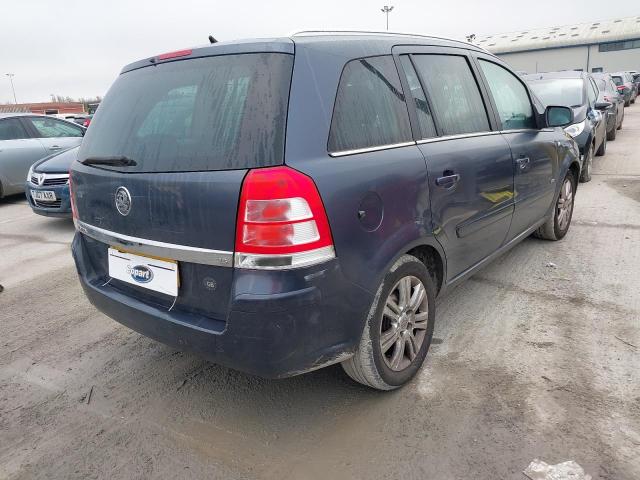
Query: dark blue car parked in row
(282, 205)
(47, 187)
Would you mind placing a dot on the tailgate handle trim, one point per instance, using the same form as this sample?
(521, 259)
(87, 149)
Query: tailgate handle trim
(182, 253)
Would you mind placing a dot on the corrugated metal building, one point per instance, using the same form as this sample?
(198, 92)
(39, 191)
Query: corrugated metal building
(605, 46)
(48, 108)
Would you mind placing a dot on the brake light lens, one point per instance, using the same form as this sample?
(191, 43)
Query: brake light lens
(72, 199)
(178, 53)
(86, 123)
(281, 221)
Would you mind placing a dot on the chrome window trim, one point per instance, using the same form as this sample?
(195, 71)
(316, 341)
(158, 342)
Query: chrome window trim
(183, 253)
(445, 138)
(356, 151)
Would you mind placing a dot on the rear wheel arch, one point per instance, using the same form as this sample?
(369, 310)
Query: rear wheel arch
(574, 168)
(433, 260)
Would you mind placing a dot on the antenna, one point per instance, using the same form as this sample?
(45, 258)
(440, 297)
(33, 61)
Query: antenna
(212, 39)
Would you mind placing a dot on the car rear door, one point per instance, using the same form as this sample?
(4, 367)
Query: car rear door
(191, 130)
(469, 163)
(55, 134)
(18, 151)
(534, 151)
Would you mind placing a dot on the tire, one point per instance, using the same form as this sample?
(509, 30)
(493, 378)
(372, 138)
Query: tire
(603, 148)
(587, 166)
(559, 221)
(372, 365)
(611, 136)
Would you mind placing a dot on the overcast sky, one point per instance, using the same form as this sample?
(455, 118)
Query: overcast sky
(77, 47)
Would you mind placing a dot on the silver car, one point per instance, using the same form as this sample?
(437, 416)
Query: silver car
(25, 138)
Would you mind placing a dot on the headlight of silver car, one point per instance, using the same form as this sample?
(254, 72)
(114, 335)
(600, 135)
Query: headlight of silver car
(576, 129)
(30, 173)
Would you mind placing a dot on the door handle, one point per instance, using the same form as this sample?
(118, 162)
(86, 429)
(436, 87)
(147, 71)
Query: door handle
(55, 147)
(448, 180)
(523, 162)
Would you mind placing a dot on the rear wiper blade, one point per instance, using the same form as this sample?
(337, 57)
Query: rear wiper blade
(116, 161)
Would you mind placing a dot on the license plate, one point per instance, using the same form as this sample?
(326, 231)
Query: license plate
(146, 272)
(43, 195)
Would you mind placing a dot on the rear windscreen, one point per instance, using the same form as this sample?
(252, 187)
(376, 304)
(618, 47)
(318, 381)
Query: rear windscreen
(567, 92)
(213, 113)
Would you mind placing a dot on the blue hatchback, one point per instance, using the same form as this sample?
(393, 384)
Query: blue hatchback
(282, 205)
(47, 187)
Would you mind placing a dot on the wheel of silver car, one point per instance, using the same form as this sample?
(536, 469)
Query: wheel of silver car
(398, 330)
(404, 323)
(587, 165)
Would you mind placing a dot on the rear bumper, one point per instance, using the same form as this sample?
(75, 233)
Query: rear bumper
(278, 324)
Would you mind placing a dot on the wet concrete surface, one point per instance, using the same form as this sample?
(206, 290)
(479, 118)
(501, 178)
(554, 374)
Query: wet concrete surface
(530, 361)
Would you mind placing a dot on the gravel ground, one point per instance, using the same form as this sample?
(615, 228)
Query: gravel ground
(529, 361)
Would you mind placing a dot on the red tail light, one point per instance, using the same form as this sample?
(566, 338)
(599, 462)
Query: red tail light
(72, 199)
(281, 221)
(86, 123)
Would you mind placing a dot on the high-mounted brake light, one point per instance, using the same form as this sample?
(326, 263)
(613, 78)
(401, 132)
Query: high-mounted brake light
(281, 221)
(178, 53)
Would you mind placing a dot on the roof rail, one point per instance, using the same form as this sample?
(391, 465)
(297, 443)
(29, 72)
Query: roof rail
(310, 33)
(364, 32)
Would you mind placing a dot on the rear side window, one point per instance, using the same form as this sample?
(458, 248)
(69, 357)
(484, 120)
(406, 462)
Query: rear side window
(453, 92)
(214, 113)
(370, 110)
(52, 128)
(510, 96)
(427, 127)
(12, 129)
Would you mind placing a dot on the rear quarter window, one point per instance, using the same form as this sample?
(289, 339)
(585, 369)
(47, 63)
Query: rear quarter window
(370, 109)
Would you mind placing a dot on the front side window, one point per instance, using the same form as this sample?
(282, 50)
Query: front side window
(52, 128)
(12, 129)
(453, 92)
(510, 96)
(370, 110)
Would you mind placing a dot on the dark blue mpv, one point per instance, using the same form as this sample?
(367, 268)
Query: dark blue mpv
(281, 205)
(47, 187)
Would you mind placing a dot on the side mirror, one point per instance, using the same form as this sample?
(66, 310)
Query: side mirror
(603, 105)
(558, 116)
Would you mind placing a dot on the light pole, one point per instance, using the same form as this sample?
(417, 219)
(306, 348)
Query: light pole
(387, 10)
(13, 89)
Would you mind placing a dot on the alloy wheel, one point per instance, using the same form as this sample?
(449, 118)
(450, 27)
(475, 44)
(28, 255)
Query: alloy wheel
(564, 207)
(589, 161)
(404, 323)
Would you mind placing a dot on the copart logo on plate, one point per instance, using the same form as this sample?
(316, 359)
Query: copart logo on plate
(123, 201)
(140, 273)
